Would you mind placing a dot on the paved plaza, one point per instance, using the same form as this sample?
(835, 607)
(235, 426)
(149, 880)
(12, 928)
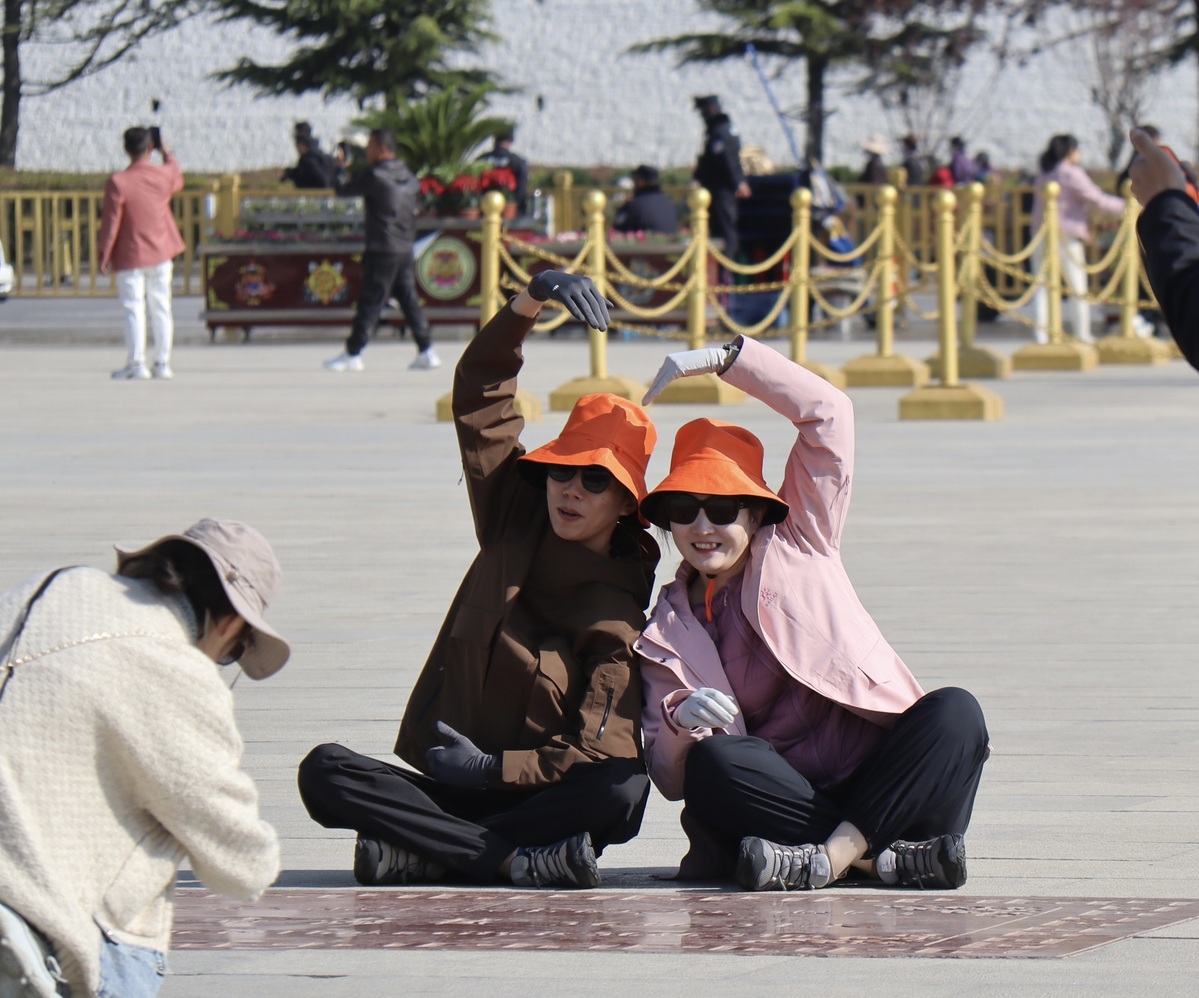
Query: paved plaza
(1046, 562)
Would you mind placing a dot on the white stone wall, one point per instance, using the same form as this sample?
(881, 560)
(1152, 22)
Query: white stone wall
(598, 105)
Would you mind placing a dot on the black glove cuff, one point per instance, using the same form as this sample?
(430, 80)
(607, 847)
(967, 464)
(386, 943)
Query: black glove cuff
(535, 286)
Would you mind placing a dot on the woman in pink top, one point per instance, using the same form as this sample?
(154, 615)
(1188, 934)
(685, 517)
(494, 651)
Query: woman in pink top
(798, 739)
(1078, 198)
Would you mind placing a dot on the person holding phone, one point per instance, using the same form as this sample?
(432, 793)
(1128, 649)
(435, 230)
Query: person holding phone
(138, 241)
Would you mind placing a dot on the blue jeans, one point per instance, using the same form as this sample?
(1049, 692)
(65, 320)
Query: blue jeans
(128, 971)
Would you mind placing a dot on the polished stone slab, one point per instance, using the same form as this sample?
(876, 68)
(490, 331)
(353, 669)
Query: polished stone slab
(826, 923)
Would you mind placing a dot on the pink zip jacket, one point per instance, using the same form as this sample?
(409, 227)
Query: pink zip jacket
(796, 594)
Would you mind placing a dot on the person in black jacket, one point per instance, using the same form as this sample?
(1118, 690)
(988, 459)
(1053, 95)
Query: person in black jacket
(1169, 232)
(501, 156)
(719, 172)
(314, 170)
(389, 192)
(649, 209)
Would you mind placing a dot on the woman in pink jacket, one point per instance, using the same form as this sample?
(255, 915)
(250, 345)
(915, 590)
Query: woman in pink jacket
(799, 741)
(1079, 196)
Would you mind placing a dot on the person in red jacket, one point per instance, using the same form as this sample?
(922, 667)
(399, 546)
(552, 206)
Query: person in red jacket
(138, 240)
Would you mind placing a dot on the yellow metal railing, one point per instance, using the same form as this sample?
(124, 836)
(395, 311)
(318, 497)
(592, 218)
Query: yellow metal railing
(51, 238)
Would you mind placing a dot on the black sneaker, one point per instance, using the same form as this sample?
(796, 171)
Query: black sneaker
(569, 863)
(938, 863)
(767, 866)
(380, 864)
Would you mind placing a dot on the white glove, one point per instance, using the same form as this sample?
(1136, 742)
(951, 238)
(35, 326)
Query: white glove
(685, 364)
(706, 707)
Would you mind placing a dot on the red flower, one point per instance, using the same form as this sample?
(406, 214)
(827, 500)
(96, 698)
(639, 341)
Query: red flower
(465, 184)
(430, 185)
(498, 179)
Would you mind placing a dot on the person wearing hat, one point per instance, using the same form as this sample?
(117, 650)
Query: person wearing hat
(120, 755)
(719, 172)
(875, 171)
(649, 209)
(523, 729)
(774, 708)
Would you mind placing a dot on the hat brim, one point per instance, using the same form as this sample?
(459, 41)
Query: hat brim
(268, 652)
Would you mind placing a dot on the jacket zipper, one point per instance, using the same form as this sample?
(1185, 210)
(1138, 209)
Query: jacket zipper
(604, 720)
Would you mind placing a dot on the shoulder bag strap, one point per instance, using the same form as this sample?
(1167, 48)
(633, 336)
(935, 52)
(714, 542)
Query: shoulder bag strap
(11, 641)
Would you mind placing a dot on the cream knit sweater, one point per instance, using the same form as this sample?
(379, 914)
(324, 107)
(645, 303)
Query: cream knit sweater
(119, 757)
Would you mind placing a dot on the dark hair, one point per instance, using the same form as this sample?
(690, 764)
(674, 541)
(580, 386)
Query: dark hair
(1060, 146)
(303, 130)
(385, 138)
(180, 567)
(957, 142)
(137, 140)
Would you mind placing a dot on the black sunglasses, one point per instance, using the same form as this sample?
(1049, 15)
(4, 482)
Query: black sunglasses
(595, 479)
(720, 510)
(244, 643)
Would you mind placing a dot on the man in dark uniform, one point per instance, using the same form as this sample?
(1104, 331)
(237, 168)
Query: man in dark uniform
(501, 155)
(719, 172)
(649, 209)
(314, 170)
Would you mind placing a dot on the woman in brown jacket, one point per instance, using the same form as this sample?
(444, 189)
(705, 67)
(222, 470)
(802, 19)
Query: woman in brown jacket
(524, 725)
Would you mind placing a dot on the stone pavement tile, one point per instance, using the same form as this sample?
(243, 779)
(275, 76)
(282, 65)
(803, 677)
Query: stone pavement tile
(837, 922)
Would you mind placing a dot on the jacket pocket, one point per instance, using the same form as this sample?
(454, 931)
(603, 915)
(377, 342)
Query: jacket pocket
(136, 900)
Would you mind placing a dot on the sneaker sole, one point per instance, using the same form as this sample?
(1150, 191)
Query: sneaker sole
(590, 876)
(366, 864)
(18, 965)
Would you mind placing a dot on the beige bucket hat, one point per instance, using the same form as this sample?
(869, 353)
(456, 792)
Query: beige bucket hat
(249, 574)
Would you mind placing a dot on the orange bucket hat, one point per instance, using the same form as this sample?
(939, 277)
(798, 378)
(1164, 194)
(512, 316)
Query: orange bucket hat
(712, 458)
(605, 430)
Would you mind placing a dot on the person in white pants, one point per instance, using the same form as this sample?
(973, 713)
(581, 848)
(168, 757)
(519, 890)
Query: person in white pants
(138, 241)
(1078, 197)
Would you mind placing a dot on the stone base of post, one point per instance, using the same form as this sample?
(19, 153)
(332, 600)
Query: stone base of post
(886, 372)
(1132, 350)
(1068, 356)
(975, 362)
(564, 397)
(951, 402)
(830, 374)
(529, 406)
(703, 389)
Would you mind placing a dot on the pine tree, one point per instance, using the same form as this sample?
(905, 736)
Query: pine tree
(391, 50)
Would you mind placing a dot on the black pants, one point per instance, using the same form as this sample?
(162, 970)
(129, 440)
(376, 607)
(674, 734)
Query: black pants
(722, 221)
(387, 275)
(470, 831)
(919, 783)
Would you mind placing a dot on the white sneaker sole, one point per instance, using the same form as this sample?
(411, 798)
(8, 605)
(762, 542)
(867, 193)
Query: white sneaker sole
(23, 972)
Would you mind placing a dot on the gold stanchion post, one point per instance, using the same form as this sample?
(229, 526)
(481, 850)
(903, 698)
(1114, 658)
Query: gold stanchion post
(973, 361)
(885, 367)
(1126, 347)
(1059, 354)
(801, 288)
(703, 388)
(565, 396)
(949, 399)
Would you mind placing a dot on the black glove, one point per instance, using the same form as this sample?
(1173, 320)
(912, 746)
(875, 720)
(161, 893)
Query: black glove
(458, 762)
(580, 296)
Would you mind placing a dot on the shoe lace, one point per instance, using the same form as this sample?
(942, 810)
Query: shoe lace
(916, 862)
(549, 865)
(794, 866)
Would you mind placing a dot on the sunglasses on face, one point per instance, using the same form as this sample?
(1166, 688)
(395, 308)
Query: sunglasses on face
(244, 643)
(595, 479)
(720, 510)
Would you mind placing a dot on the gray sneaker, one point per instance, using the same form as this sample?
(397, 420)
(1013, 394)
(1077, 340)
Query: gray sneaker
(380, 864)
(27, 967)
(132, 372)
(766, 866)
(939, 863)
(569, 863)
(162, 370)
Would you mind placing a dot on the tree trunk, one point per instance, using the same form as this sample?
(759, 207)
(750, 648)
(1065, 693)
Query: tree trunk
(11, 103)
(816, 67)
